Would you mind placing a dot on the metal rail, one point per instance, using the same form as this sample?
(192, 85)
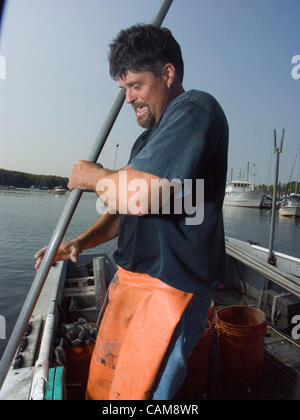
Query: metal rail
(277, 150)
(62, 226)
(285, 280)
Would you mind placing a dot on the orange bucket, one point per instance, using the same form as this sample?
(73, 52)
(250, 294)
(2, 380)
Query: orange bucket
(240, 332)
(197, 377)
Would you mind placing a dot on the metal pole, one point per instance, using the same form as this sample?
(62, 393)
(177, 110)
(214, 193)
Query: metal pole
(62, 226)
(2, 4)
(277, 150)
(158, 20)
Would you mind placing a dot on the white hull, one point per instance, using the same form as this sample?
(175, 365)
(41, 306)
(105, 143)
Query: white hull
(254, 199)
(290, 211)
(291, 206)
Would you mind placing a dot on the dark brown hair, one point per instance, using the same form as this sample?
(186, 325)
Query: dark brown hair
(144, 48)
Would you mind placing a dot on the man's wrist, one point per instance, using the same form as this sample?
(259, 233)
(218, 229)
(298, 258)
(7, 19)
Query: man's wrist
(98, 176)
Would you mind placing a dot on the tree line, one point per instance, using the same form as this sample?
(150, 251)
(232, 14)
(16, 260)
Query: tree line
(287, 188)
(27, 180)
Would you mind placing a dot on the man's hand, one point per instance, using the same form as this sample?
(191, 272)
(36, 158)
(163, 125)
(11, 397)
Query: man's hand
(85, 175)
(68, 250)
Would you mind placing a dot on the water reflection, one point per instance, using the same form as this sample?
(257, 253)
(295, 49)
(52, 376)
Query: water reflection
(254, 225)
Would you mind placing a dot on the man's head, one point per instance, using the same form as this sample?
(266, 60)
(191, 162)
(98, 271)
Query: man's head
(147, 63)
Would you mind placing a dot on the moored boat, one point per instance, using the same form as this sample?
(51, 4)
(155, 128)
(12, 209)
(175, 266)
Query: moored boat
(290, 206)
(58, 190)
(243, 194)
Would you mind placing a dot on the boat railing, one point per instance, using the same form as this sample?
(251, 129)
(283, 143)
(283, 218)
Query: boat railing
(283, 279)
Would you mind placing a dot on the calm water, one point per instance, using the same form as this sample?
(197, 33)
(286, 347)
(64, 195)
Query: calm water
(27, 220)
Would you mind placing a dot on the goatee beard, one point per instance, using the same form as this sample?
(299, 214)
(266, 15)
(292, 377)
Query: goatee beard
(144, 121)
(148, 123)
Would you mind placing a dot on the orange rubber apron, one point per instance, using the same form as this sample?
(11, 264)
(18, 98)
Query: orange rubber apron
(134, 335)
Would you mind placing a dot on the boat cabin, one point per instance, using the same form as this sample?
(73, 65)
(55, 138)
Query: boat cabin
(239, 186)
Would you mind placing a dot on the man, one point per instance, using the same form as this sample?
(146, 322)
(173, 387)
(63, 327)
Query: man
(168, 268)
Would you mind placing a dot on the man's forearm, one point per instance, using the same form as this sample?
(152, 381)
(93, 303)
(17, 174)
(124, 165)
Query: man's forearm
(129, 191)
(118, 188)
(103, 230)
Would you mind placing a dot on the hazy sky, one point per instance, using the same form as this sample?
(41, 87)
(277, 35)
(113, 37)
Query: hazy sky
(57, 89)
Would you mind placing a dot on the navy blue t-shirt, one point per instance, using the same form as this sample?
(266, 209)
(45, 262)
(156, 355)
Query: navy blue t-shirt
(190, 141)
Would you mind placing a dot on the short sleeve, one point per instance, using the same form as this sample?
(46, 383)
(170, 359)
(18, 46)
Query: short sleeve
(179, 147)
(139, 144)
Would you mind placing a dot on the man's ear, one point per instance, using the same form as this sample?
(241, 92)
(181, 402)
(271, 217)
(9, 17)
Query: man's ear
(169, 73)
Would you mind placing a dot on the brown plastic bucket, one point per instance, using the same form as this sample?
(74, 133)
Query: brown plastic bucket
(77, 366)
(197, 377)
(240, 332)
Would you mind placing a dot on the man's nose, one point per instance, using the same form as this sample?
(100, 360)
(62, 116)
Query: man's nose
(130, 98)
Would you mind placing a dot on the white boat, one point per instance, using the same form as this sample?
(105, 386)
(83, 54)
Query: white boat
(291, 206)
(243, 194)
(58, 190)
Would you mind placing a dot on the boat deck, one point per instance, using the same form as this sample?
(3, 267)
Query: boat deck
(281, 372)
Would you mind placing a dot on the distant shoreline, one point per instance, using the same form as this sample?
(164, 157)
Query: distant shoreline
(11, 189)
(16, 179)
